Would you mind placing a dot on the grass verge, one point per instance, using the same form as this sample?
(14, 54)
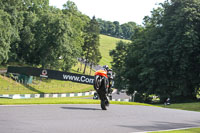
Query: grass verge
(195, 106)
(67, 100)
(191, 130)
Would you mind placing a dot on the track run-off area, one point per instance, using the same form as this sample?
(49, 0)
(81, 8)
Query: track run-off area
(89, 118)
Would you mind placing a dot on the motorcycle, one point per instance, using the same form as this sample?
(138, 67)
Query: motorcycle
(102, 85)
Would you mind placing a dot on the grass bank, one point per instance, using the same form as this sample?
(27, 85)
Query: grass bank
(9, 86)
(108, 43)
(195, 106)
(191, 130)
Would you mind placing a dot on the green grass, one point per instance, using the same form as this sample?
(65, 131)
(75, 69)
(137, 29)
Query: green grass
(191, 130)
(9, 86)
(79, 69)
(107, 43)
(66, 100)
(195, 106)
(2, 67)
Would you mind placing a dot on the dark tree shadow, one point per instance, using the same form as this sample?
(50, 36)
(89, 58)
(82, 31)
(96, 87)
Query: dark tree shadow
(32, 88)
(79, 108)
(161, 126)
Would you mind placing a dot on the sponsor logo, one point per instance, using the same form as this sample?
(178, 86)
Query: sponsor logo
(82, 79)
(44, 74)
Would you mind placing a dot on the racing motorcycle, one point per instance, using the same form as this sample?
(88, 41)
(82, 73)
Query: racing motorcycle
(102, 85)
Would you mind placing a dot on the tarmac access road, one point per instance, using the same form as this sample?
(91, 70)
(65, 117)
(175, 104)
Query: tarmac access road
(115, 95)
(120, 95)
(87, 118)
(2, 71)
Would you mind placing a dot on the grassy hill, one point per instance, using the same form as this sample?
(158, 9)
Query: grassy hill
(107, 43)
(9, 86)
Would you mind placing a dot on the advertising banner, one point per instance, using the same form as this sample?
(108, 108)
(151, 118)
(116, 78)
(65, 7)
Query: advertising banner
(52, 74)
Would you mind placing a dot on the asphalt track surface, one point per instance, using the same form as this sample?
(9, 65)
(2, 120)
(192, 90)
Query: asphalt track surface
(67, 118)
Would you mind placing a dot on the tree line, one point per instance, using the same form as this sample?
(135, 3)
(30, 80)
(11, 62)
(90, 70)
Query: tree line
(114, 29)
(34, 33)
(163, 58)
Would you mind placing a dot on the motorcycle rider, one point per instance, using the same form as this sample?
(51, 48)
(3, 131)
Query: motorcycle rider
(110, 77)
(102, 85)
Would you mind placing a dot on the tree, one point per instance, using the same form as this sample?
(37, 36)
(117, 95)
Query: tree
(78, 23)
(23, 15)
(91, 43)
(128, 29)
(118, 64)
(15, 9)
(118, 31)
(181, 22)
(5, 36)
(26, 49)
(114, 29)
(163, 58)
(55, 39)
(102, 27)
(42, 35)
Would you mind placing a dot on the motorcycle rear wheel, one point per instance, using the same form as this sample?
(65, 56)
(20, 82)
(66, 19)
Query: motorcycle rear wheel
(103, 105)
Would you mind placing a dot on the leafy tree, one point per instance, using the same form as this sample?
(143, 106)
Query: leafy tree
(128, 29)
(15, 9)
(118, 29)
(37, 34)
(114, 29)
(5, 36)
(163, 58)
(181, 22)
(78, 23)
(102, 26)
(111, 28)
(20, 18)
(118, 65)
(91, 43)
(41, 35)
(26, 51)
(54, 39)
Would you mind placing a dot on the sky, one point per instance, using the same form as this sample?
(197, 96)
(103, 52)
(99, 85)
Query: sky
(114, 10)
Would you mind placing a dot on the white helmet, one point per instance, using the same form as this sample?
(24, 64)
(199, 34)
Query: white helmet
(105, 67)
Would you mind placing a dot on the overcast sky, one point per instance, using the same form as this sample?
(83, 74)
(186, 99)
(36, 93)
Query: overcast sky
(114, 10)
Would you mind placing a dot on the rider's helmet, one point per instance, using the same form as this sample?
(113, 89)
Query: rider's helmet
(105, 67)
